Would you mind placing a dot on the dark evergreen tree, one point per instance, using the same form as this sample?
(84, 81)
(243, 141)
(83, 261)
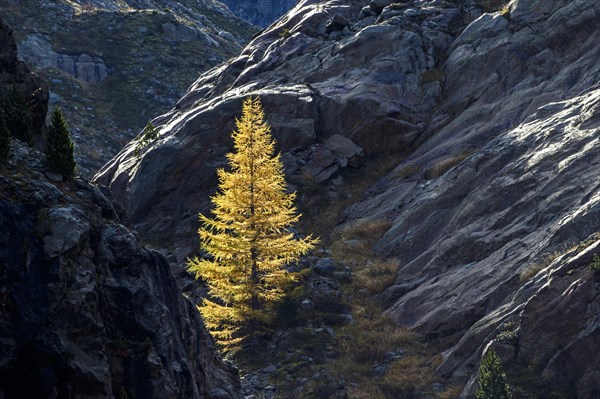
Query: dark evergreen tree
(59, 154)
(4, 138)
(17, 116)
(492, 379)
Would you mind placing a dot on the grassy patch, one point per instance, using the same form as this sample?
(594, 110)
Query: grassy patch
(452, 392)
(432, 75)
(407, 171)
(382, 359)
(441, 167)
(572, 249)
(534, 269)
(412, 372)
(321, 214)
(376, 276)
(353, 243)
(370, 338)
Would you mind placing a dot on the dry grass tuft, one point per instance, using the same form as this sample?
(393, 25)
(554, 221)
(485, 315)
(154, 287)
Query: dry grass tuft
(413, 370)
(407, 171)
(443, 166)
(531, 271)
(452, 392)
(573, 249)
(377, 276)
(505, 12)
(432, 75)
(370, 338)
(408, 377)
(322, 212)
(353, 244)
(365, 229)
(534, 268)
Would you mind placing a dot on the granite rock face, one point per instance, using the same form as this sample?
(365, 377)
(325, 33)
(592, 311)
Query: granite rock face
(493, 120)
(37, 51)
(547, 333)
(86, 310)
(374, 84)
(469, 240)
(260, 12)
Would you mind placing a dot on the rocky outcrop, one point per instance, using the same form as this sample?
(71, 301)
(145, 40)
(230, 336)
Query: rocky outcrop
(15, 75)
(359, 83)
(547, 333)
(260, 12)
(493, 120)
(35, 50)
(111, 65)
(469, 239)
(508, 180)
(86, 310)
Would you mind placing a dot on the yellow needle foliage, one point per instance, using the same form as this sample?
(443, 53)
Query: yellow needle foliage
(249, 239)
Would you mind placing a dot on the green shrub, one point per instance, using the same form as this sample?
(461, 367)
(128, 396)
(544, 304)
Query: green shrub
(285, 33)
(595, 265)
(59, 153)
(443, 166)
(149, 134)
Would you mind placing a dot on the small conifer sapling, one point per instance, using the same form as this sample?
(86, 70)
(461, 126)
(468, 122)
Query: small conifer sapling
(492, 379)
(249, 241)
(59, 153)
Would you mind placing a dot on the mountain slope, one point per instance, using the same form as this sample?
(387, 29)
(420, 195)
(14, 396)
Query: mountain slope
(113, 64)
(491, 120)
(259, 12)
(307, 79)
(85, 309)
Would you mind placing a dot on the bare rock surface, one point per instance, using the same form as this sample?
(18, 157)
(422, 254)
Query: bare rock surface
(366, 86)
(467, 239)
(260, 12)
(547, 333)
(493, 120)
(508, 180)
(86, 310)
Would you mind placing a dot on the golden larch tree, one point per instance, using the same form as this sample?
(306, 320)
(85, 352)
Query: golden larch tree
(249, 240)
